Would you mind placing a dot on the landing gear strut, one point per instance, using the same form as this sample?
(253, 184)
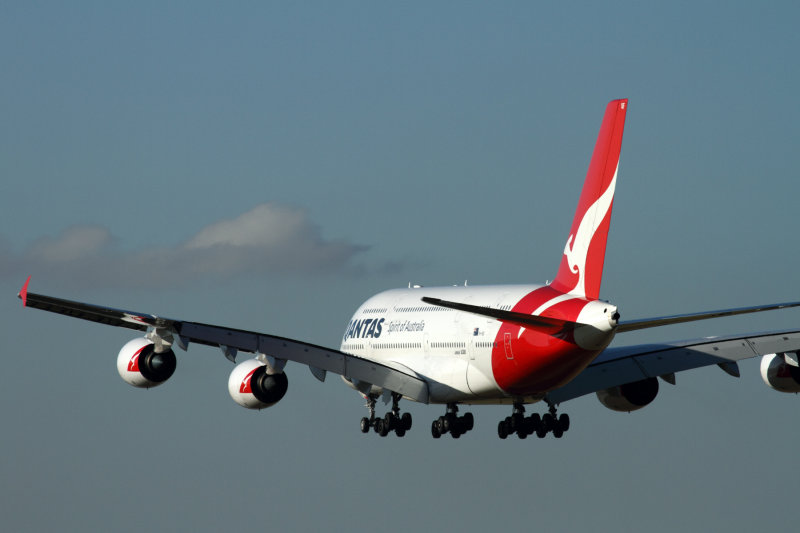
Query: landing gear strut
(452, 423)
(392, 421)
(523, 426)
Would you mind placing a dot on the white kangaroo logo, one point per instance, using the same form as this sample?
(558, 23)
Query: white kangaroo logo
(577, 247)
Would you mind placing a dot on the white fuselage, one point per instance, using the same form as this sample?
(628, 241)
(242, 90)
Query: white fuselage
(451, 350)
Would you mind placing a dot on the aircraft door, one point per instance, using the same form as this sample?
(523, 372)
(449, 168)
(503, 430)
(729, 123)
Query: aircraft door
(477, 381)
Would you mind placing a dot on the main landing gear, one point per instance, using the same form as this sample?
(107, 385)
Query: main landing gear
(523, 426)
(452, 423)
(391, 422)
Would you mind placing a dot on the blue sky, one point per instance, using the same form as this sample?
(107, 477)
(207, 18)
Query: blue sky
(270, 166)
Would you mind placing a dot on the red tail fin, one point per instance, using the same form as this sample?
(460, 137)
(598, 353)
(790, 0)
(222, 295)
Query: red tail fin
(581, 268)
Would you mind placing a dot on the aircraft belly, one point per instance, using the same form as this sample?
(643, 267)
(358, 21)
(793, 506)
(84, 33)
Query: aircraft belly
(447, 381)
(479, 383)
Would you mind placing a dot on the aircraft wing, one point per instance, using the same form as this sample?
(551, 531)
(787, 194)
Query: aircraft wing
(318, 358)
(626, 364)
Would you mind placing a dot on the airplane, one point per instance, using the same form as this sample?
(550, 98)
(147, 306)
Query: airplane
(465, 345)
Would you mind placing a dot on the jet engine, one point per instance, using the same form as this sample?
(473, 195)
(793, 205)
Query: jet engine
(630, 396)
(781, 373)
(252, 386)
(141, 366)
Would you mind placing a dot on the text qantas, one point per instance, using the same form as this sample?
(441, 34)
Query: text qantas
(364, 328)
(371, 328)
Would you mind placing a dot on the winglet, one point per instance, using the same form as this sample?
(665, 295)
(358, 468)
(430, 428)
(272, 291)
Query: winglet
(23, 292)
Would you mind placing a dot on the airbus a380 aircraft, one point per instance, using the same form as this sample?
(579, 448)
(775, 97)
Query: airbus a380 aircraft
(498, 344)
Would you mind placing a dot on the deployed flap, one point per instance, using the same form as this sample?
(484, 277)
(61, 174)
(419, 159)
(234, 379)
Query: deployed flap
(231, 340)
(626, 364)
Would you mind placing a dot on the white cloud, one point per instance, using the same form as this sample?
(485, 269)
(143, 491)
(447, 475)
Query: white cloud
(266, 225)
(74, 243)
(268, 239)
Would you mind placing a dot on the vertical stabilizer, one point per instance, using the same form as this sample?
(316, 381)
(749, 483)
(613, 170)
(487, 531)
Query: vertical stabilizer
(581, 268)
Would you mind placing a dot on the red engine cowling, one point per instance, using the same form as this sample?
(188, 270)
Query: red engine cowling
(251, 386)
(629, 397)
(139, 364)
(779, 374)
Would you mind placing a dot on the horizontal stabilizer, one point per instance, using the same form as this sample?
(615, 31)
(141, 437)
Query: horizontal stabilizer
(548, 325)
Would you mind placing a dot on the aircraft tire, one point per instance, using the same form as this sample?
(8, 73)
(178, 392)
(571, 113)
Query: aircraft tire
(406, 421)
(390, 421)
(563, 422)
(502, 430)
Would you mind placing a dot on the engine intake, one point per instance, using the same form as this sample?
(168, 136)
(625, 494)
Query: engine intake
(630, 396)
(251, 386)
(141, 366)
(779, 374)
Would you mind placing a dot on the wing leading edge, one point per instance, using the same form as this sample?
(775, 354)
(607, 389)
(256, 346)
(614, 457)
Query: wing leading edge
(229, 340)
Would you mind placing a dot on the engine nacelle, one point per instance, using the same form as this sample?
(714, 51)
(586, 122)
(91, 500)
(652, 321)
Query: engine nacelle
(630, 396)
(779, 374)
(251, 386)
(139, 364)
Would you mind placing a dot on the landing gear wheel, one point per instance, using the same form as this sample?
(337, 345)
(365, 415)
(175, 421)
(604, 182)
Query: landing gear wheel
(405, 421)
(548, 421)
(534, 423)
(517, 421)
(390, 421)
(563, 422)
(469, 421)
(450, 421)
(502, 429)
(558, 433)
